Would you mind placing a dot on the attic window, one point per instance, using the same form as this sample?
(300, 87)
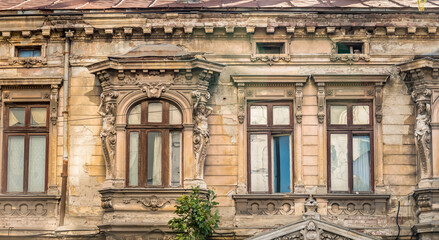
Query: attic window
(270, 48)
(349, 48)
(29, 51)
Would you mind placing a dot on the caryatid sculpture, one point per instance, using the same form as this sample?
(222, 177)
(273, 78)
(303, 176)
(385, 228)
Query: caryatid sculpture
(423, 131)
(201, 131)
(107, 109)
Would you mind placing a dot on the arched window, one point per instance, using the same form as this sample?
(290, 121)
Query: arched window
(154, 149)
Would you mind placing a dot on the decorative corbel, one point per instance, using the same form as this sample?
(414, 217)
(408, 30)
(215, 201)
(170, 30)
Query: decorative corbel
(299, 102)
(241, 102)
(54, 104)
(201, 130)
(321, 101)
(379, 102)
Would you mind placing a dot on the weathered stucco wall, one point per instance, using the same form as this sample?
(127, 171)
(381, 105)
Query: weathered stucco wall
(225, 167)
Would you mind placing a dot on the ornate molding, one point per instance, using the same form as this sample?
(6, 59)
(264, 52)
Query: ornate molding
(241, 102)
(321, 102)
(54, 104)
(153, 90)
(299, 102)
(378, 102)
(28, 62)
(152, 203)
(270, 60)
(268, 206)
(201, 131)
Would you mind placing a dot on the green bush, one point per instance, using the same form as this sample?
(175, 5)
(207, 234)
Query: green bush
(195, 220)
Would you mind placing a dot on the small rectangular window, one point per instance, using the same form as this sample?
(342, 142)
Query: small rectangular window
(349, 48)
(270, 48)
(29, 51)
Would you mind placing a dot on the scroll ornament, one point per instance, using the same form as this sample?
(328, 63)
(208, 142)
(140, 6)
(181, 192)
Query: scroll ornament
(107, 109)
(201, 131)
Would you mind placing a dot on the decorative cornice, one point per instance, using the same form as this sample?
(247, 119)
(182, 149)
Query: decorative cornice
(254, 79)
(11, 81)
(328, 78)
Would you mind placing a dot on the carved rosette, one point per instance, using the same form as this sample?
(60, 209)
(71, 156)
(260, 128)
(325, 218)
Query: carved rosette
(107, 109)
(201, 131)
(423, 130)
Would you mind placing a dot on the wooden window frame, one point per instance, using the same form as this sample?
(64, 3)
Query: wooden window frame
(351, 130)
(143, 129)
(270, 130)
(25, 131)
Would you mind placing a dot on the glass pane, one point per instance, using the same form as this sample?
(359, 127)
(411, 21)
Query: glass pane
(175, 150)
(259, 162)
(155, 112)
(38, 117)
(258, 115)
(360, 114)
(25, 53)
(15, 164)
(134, 117)
(37, 163)
(16, 117)
(154, 158)
(174, 115)
(134, 159)
(281, 162)
(281, 115)
(361, 163)
(36, 53)
(339, 162)
(339, 115)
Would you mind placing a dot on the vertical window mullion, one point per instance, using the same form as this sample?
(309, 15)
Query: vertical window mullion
(144, 158)
(350, 162)
(270, 163)
(165, 157)
(26, 163)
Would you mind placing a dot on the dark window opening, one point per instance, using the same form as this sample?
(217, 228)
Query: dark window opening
(270, 48)
(29, 51)
(349, 48)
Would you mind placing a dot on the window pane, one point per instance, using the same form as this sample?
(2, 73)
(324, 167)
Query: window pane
(174, 115)
(281, 162)
(155, 112)
(259, 162)
(38, 117)
(339, 115)
(258, 115)
(360, 114)
(16, 117)
(37, 163)
(175, 150)
(15, 164)
(154, 158)
(134, 159)
(281, 115)
(361, 163)
(134, 117)
(339, 162)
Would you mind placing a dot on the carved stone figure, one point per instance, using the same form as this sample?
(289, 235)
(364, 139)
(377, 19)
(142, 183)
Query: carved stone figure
(153, 90)
(201, 131)
(311, 208)
(423, 132)
(107, 109)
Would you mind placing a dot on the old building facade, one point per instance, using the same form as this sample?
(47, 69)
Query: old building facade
(309, 119)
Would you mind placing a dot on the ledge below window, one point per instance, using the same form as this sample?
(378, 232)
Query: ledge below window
(288, 204)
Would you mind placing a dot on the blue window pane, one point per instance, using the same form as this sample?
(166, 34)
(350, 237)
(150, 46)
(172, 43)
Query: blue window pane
(281, 155)
(29, 52)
